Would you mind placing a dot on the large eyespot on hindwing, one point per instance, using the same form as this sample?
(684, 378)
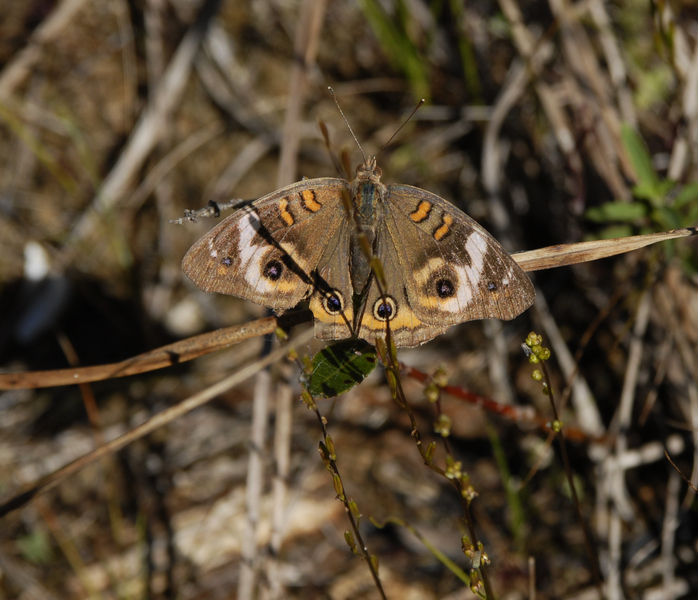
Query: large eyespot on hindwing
(439, 279)
(444, 287)
(273, 270)
(384, 309)
(333, 303)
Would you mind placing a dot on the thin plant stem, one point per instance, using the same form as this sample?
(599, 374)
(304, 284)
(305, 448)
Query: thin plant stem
(330, 461)
(570, 480)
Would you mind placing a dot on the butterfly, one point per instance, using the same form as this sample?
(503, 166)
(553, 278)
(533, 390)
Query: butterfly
(303, 242)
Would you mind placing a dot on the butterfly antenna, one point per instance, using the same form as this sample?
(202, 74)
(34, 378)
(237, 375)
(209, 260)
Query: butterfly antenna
(341, 112)
(407, 120)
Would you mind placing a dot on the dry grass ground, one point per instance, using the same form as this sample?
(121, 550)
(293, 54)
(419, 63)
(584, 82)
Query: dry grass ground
(116, 116)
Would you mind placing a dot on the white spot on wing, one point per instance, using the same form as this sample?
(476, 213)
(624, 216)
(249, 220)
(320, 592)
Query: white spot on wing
(250, 256)
(467, 277)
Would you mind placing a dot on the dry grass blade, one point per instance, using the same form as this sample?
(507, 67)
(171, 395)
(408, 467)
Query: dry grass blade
(151, 127)
(160, 358)
(571, 254)
(157, 421)
(19, 69)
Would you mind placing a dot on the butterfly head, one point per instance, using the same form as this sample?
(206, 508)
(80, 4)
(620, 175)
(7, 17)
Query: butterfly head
(369, 171)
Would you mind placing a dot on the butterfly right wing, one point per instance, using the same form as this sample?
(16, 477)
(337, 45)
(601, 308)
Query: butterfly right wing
(269, 251)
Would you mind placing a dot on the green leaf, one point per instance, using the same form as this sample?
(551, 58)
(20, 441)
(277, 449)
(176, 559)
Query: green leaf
(468, 57)
(36, 547)
(655, 193)
(687, 195)
(340, 367)
(615, 231)
(440, 556)
(617, 211)
(691, 219)
(397, 44)
(647, 180)
(516, 510)
(667, 218)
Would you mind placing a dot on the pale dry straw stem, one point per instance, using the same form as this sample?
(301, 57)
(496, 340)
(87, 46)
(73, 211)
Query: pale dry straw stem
(551, 103)
(153, 16)
(14, 74)
(492, 156)
(646, 454)
(571, 254)
(586, 411)
(518, 77)
(668, 311)
(614, 60)
(680, 50)
(599, 141)
(221, 47)
(610, 471)
(282, 459)
(253, 491)
(685, 150)
(492, 166)
(159, 296)
(492, 173)
(693, 404)
(524, 40)
(580, 57)
(622, 509)
(149, 131)
(305, 51)
(168, 162)
(157, 421)
(227, 81)
(614, 466)
(244, 161)
(614, 590)
(128, 59)
(671, 523)
(536, 54)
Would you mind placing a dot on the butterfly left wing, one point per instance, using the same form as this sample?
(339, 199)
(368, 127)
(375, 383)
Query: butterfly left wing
(268, 251)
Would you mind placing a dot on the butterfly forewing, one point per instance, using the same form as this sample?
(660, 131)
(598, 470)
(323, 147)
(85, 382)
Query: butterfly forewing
(268, 251)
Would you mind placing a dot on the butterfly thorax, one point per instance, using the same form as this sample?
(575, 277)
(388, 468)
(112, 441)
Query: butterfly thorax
(367, 193)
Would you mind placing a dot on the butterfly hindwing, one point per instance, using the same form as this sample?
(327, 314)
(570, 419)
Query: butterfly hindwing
(332, 301)
(406, 328)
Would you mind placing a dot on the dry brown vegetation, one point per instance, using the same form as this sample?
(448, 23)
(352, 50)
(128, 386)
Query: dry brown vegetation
(116, 116)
